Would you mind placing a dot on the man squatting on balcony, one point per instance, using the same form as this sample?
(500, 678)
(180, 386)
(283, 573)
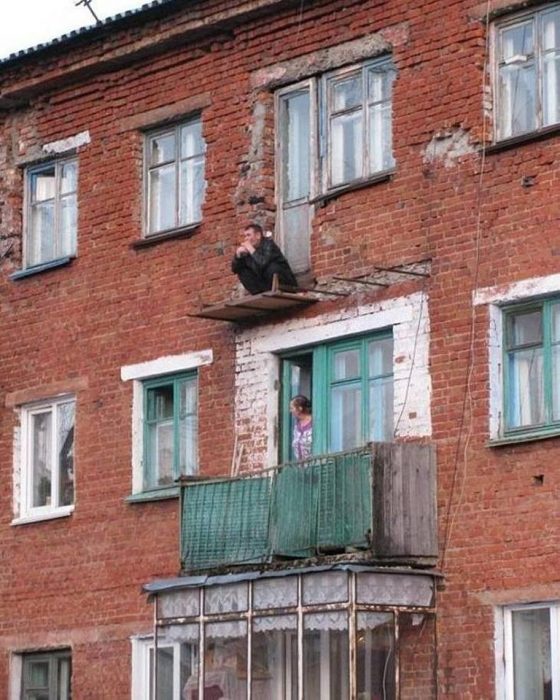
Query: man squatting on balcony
(258, 259)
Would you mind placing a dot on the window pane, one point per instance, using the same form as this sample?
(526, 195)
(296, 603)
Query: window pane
(347, 93)
(380, 357)
(188, 426)
(38, 674)
(43, 185)
(380, 138)
(381, 409)
(192, 143)
(41, 242)
(164, 683)
(161, 453)
(517, 99)
(346, 417)
(160, 402)
(274, 662)
(526, 392)
(551, 30)
(517, 41)
(295, 146)
(192, 187)
(162, 149)
(556, 382)
(41, 436)
(347, 147)
(66, 453)
(531, 654)
(325, 655)
(525, 328)
(68, 177)
(295, 228)
(64, 679)
(380, 83)
(68, 224)
(551, 87)
(162, 198)
(346, 364)
(375, 658)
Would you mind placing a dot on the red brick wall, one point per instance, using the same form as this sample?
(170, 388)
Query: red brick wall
(79, 578)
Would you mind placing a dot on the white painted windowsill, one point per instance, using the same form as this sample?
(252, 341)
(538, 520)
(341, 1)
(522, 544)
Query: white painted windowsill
(62, 512)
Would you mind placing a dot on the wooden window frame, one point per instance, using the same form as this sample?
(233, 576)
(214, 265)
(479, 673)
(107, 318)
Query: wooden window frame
(549, 426)
(59, 255)
(175, 130)
(52, 657)
(535, 17)
(322, 383)
(27, 510)
(147, 386)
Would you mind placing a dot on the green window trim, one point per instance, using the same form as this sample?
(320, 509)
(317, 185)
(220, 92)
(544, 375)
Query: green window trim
(530, 389)
(320, 360)
(169, 430)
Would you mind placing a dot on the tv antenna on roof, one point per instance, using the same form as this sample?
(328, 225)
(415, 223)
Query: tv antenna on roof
(87, 3)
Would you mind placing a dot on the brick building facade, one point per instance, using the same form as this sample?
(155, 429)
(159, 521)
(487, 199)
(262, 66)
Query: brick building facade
(405, 156)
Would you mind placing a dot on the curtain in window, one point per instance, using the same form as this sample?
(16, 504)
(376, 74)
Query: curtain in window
(531, 654)
(551, 67)
(518, 81)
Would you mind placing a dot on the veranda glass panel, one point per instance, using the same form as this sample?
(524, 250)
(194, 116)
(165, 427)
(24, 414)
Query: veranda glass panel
(526, 388)
(162, 198)
(375, 656)
(325, 656)
(65, 446)
(517, 81)
(532, 663)
(188, 426)
(347, 147)
(551, 58)
(41, 451)
(274, 658)
(225, 661)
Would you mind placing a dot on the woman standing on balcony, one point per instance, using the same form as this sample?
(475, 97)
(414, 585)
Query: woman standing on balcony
(302, 436)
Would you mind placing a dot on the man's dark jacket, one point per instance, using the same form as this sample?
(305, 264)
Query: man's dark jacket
(256, 270)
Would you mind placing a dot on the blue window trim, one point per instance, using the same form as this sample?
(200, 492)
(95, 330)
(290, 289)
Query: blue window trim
(550, 427)
(44, 267)
(149, 490)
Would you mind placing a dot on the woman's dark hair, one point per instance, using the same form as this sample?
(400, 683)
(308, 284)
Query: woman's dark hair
(302, 402)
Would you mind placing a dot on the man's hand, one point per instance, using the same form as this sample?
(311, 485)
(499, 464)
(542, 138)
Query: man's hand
(245, 249)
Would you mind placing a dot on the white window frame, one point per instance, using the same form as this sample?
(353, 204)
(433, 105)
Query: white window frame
(138, 373)
(533, 16)
(174, 129)
(28, 512)
(28, 218)
(504, 647)
(142, 677)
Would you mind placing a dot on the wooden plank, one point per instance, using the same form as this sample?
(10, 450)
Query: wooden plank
(405, 500)
(254, 306)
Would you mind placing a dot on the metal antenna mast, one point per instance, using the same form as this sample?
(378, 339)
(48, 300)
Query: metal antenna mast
(87, 3)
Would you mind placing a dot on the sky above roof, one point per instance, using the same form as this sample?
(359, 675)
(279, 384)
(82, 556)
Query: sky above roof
(26, 23)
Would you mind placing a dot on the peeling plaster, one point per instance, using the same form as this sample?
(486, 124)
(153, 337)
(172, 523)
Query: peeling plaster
(257, 369)
(448, 146)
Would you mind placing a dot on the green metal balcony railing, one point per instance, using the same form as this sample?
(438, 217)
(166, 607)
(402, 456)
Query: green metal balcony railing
(360, 499)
